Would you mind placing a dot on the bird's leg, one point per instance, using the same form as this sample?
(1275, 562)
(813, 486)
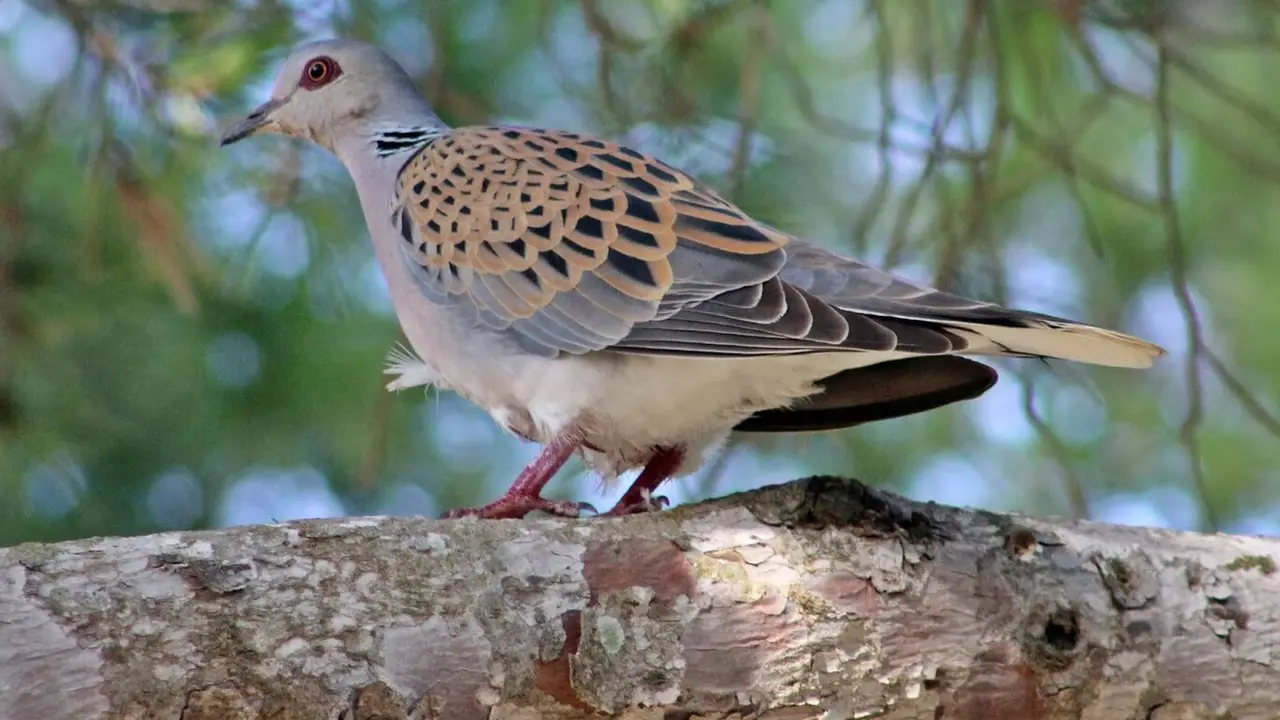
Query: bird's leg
(639, 498)
(525, 494)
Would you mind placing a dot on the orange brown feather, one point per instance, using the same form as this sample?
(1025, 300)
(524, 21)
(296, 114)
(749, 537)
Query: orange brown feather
(517, 217)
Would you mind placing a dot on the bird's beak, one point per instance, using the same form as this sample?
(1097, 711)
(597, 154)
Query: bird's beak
(256, 120)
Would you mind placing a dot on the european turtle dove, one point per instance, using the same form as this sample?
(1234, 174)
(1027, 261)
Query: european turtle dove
(599, 301)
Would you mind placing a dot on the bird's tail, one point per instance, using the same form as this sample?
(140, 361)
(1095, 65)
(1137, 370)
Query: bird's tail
(1063, 340)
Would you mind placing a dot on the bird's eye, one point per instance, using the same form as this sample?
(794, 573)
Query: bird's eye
(319, 71)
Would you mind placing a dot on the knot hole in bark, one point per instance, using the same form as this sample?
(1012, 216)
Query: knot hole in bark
(1062, 630)
(1053, 640)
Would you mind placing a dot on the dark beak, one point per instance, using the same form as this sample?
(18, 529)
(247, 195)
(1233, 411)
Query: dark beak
(251, 124)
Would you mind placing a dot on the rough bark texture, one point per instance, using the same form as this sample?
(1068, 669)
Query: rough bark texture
(821, 598)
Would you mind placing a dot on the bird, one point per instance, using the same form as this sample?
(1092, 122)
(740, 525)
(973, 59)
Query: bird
(603, 303)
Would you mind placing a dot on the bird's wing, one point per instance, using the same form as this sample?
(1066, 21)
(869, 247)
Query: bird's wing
(575, 244)
(567, 241)
(820, 301)
(986, 328)
(855, 306)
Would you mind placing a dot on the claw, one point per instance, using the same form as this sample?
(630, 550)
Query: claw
(639, 498)
(647, 503)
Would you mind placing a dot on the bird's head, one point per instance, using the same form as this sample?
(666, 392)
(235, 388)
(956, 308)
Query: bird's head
(330, 87)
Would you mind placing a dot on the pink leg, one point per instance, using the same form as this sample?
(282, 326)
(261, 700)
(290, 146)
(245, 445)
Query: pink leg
(525, 494)
(639, 497)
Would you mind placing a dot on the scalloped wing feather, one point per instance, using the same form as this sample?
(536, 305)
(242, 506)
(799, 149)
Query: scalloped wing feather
(820, 302)
(567, 240)
(574, 244)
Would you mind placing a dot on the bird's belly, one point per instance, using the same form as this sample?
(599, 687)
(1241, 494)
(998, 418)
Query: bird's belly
(625, 406)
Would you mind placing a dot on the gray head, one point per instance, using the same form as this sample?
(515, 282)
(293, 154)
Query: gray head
(330, 88)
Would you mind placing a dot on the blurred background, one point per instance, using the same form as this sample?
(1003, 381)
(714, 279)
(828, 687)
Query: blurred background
(194, 337)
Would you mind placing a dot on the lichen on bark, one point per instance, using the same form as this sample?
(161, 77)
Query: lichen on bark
(820, 598)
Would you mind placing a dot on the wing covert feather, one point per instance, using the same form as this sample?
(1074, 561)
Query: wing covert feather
(572, 244)
(567, 240)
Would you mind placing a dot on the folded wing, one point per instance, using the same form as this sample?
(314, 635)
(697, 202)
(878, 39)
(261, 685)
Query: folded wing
(567, 242)
(574, 244)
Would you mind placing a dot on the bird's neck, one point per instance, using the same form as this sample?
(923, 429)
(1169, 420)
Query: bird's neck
(381, 144)
(376, 153)
(374, 156)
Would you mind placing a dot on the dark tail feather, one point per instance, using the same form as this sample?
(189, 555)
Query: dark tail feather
(879, 392)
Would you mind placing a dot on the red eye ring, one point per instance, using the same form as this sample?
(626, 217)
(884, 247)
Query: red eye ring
(319, 71)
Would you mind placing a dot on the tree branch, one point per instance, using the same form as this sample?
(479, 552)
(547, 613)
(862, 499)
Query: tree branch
(821, 598)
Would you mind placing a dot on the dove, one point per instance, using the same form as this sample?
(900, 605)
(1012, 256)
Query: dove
(603, 303)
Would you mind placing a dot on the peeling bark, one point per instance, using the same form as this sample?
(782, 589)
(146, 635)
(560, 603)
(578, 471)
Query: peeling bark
(821, 598)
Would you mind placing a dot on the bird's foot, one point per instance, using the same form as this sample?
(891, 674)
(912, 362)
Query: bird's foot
(525, 494)
(517, 506)
(640, 497)
(643, 502)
